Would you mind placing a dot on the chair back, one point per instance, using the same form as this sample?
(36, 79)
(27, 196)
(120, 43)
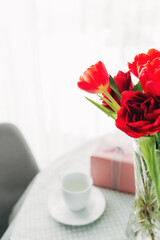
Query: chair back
(17, 169)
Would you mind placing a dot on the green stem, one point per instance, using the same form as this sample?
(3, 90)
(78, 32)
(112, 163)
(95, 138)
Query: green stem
(108, 102)
(148, 147)
(116, 105)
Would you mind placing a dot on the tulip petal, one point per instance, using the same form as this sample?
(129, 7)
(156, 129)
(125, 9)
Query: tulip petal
(95, 79)
(87, 87)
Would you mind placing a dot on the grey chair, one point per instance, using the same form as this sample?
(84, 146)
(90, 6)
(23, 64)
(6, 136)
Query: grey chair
(17, 169)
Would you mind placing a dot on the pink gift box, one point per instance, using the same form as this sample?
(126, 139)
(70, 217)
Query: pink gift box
(112, 164)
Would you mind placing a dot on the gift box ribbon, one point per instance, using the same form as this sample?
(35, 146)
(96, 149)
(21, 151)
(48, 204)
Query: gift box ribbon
(116, 163)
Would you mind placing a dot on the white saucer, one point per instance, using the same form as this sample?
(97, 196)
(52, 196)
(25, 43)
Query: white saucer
(60, 212)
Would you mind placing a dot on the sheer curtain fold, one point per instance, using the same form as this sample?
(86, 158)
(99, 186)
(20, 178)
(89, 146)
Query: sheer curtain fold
(46, 45)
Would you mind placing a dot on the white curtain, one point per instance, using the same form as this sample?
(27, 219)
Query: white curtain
(44, 47)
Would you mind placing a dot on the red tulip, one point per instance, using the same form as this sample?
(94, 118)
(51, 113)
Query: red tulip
(139, 114)
(123, 82)
(142, 59)
(149, 75)
(95, 79)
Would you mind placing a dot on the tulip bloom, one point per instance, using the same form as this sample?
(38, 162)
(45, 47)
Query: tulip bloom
(142, 59)
(95, 79)
(149, 75)
(139, 114)
(123, 82)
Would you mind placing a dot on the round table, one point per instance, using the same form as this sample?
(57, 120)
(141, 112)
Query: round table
(33, 221)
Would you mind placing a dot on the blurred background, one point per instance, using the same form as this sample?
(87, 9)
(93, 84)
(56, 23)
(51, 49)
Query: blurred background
(45, 45)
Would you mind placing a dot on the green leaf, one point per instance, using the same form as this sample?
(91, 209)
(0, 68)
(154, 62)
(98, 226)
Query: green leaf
(137, 87)
(104, 109)
(114, 86)
(148, 148)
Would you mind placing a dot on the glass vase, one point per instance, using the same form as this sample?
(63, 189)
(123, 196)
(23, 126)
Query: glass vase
(144, 220)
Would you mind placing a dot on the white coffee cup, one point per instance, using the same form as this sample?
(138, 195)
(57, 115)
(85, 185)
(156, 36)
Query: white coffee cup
(76, 188)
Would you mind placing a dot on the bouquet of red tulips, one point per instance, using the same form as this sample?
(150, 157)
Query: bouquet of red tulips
(135, 108)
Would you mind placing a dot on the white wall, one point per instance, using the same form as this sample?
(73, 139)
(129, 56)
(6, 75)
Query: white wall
(44, 47)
